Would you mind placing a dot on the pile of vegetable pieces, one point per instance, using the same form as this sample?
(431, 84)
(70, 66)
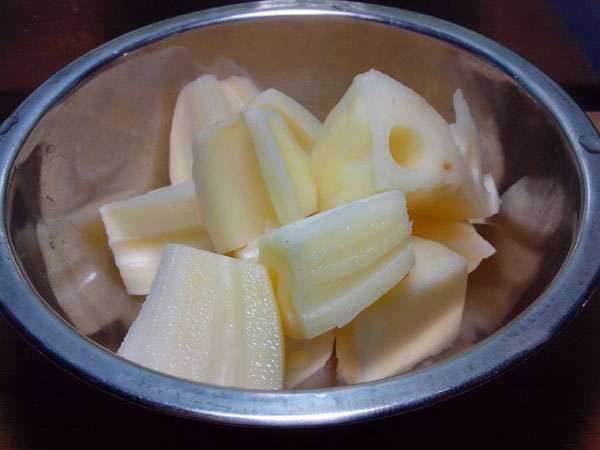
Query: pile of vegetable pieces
(280, 235)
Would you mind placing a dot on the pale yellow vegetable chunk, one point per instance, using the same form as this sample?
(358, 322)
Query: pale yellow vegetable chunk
(459, 236)
(212, 319)
(139, 228)
(332, 265)
(478, 197)
(383, 136)
(251, 176)
(304, 357)
(283, 165)
(201, 103)
(416, 319)
(249, 169)
(231, 190)
(304, 126)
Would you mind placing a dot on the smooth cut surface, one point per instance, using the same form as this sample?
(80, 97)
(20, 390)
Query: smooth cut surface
(459, 236)
(416, 319)
(234, 199)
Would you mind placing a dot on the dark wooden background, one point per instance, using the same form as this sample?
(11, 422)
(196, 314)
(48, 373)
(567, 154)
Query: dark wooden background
(552, 401)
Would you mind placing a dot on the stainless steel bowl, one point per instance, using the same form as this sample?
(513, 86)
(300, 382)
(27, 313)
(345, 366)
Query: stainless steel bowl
(98, 130)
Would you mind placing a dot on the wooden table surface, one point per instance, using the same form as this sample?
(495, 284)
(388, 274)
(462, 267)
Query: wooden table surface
(550, 401)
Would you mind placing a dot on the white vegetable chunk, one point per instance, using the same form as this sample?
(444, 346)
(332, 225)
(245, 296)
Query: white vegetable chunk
(204, 101)
(139, 228)
(212, 319)
(283, 165)
(332, 265)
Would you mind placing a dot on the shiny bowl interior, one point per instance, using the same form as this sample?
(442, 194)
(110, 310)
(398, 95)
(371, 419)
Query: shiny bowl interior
(98, 131)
